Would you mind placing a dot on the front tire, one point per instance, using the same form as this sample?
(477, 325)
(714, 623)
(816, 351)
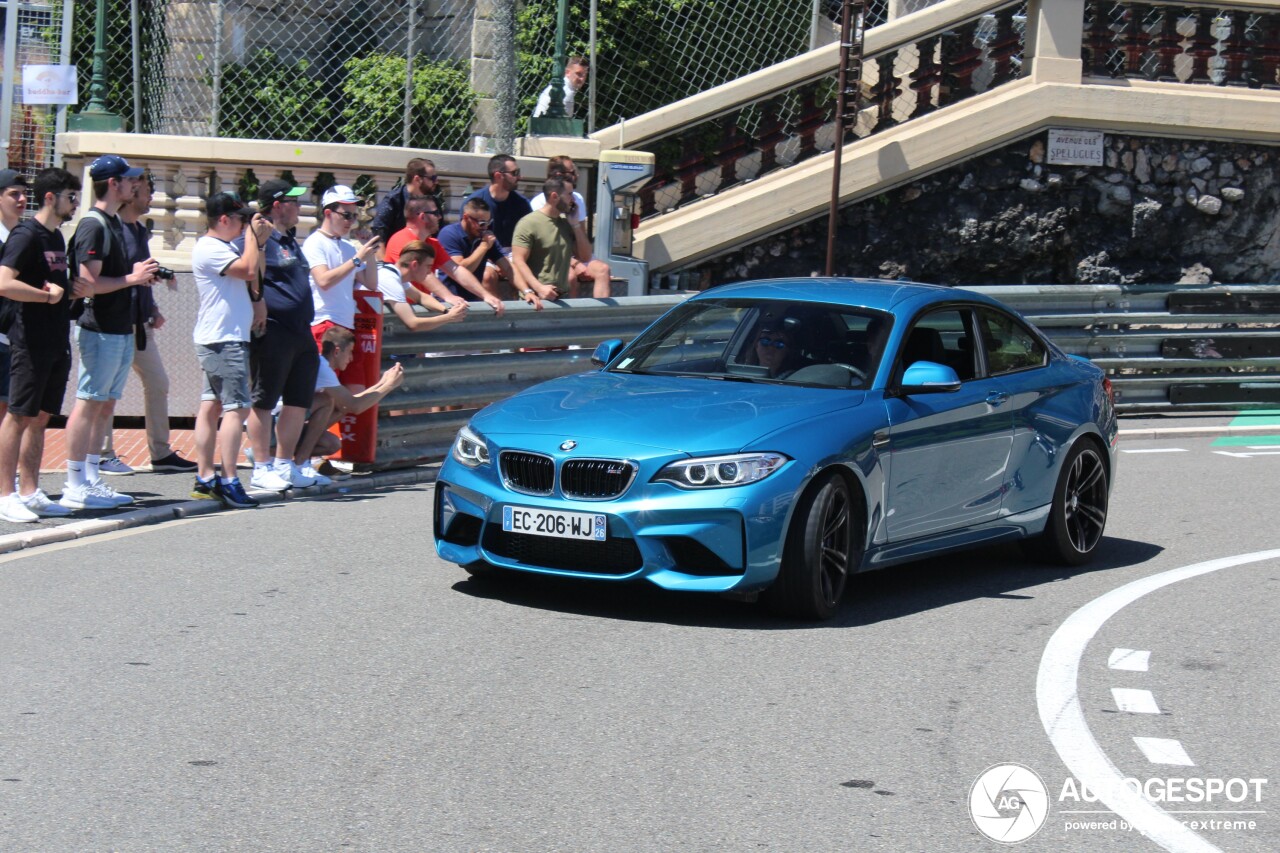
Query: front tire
(823, 548)
(1079, 511)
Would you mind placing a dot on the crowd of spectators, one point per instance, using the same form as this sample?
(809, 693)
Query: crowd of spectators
(275, 319)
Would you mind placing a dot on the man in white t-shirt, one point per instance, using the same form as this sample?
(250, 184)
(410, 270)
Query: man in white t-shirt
(414, 262)
(227, 288)
(575, 77)
(337, 267)
(592, 269)
(333, 400)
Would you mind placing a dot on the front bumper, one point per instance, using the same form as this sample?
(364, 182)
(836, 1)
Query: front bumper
(714, 540)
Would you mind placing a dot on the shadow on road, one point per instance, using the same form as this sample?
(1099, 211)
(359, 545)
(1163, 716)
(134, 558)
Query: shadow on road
(995, 572)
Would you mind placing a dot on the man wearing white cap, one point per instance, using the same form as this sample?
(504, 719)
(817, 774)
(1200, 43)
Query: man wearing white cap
(337, 266)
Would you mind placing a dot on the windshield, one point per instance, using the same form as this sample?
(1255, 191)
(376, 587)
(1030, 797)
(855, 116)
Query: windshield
(759, 340)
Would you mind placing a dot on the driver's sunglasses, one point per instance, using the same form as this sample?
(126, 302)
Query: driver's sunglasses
(776, 343)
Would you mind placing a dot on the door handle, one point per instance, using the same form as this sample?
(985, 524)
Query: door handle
(997, 398)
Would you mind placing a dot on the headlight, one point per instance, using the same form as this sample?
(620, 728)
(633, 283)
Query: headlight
(470, 449)
(717, 472)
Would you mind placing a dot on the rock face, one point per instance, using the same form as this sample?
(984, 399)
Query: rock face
(1008, 217)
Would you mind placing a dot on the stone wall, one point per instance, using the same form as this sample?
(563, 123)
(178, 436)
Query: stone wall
(1159, 211)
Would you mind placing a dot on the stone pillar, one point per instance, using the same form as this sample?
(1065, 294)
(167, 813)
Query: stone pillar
(493, 76)
(1055, 30)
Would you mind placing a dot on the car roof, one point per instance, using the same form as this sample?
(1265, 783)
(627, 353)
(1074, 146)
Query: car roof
(877, 294)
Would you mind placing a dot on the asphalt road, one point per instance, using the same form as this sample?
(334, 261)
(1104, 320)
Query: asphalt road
(308, 676)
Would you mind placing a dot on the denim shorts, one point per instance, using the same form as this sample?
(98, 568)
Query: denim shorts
(104, 364)
(226, 373)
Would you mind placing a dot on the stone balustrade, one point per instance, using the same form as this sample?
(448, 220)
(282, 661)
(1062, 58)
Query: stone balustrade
(188, 169)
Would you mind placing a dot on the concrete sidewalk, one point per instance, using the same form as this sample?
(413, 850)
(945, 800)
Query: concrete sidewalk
(164, 497)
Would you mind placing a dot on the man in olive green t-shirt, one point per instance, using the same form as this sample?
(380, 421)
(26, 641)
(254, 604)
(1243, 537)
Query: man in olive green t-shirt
(545, 242)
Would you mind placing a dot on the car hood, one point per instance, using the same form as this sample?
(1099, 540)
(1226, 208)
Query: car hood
(674, 413)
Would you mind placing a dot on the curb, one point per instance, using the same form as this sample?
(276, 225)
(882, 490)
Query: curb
(1198, 431)
(14, 542)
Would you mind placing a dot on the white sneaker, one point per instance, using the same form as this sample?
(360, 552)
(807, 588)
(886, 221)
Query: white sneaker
(84, 497)
(40, 504)
(99, 487)
(115, 466)
(308, 471)
(13, 509)
(268, 479)
(294, 475)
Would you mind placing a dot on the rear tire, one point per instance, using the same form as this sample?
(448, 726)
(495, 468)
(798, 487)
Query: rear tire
(823, 548)
(1079, 511)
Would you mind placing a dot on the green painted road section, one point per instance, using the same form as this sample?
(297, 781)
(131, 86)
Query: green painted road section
(1262, 417)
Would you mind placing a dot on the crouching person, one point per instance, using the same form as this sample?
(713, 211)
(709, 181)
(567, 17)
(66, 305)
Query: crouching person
(333, 399)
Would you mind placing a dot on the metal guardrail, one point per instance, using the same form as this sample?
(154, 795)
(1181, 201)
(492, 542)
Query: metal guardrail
(1165, 347)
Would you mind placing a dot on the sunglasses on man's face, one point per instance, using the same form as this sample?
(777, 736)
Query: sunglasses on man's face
(350, 217)
(483, 223)
(776, 343)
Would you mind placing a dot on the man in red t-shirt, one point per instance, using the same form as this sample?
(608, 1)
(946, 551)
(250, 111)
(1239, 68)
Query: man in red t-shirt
(422, 221)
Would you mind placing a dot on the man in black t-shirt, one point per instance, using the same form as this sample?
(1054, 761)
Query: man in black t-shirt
(283, 360)
(33, 273)
(105, 336)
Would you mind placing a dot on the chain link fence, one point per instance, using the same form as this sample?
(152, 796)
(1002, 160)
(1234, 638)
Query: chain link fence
(33, 36)
(443, 74)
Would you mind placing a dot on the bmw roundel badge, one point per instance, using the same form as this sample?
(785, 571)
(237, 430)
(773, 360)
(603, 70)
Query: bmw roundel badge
(569, 445)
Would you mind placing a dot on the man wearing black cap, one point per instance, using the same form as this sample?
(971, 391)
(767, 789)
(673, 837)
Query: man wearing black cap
(105, 333)
(13, 201)
(282, 361)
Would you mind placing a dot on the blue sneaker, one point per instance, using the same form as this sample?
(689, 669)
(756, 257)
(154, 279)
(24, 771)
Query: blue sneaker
(233, 495)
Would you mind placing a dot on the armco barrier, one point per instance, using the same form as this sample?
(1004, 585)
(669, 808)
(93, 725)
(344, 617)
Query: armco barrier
(1166, 348)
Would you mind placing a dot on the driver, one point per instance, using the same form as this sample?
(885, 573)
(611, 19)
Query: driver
(776, 346)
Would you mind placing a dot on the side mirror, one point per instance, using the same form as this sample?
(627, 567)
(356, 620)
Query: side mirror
(927, 377)
(606, 352)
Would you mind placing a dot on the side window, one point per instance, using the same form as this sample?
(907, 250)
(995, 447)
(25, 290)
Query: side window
(943, 337)
(1010, 345)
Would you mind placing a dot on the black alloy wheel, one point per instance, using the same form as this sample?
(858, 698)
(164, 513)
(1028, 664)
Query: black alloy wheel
(1079, 512)
(823, 549)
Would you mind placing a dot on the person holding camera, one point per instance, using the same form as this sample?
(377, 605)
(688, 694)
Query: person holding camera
(147, 363)
(105, 328)
(229, 289)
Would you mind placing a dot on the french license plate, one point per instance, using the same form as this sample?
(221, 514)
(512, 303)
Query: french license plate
(549, 522)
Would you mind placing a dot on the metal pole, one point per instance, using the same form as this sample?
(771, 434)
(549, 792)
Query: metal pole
(591, 96)
(813, 24)
(217, 70)
(137, 66)
(846, 39)
(64, 58)
(10, 68)
(408, 73)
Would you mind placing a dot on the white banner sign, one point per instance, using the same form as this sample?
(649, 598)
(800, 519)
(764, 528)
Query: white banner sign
(49, 84)
(1075, 147)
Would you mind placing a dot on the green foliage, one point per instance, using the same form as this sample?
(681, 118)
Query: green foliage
(647, 48)
(265, 98)
(443, 102)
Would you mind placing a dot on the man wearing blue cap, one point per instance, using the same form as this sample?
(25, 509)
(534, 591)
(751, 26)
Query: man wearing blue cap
(105, 329)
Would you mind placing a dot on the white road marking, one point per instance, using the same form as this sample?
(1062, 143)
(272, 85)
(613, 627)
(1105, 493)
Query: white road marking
(1063, 718)
(1156, 450)
(1159, 750)
(1135, 701)
(1247, 455)
(1132, 660)
(1262, 447)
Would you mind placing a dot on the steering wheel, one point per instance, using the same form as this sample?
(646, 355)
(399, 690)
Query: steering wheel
(859, 374)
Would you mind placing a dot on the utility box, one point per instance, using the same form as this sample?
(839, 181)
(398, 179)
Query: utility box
(620, 176)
